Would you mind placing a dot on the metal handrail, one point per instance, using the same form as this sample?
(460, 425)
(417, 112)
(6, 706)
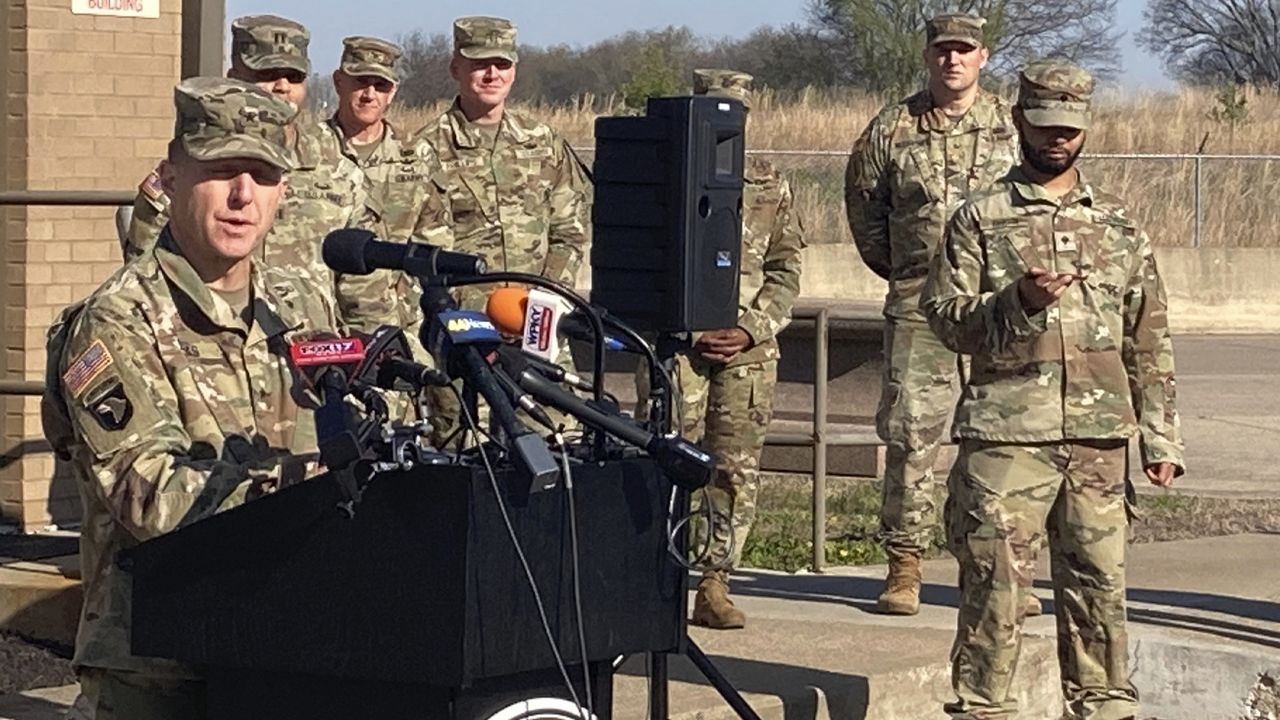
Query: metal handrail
(67, 197)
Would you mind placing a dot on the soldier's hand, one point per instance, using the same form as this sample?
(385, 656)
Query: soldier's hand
(1161, 474)
(723, 345)
(1040, 288)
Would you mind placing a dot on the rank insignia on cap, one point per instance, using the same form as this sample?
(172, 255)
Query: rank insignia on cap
(91, 363)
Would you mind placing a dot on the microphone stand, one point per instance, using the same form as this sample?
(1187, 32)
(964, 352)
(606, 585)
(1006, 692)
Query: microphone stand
(659, 670)
(595, 318)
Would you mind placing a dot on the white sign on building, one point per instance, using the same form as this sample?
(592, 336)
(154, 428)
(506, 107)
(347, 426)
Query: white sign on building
(118, 8)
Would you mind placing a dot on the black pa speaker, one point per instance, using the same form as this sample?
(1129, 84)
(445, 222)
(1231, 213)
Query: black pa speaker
(667, 214)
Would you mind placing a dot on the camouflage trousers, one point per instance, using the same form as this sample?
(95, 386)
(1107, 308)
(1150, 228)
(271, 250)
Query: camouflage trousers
(916, 402)
(726, 411)
(1002, 499)
(119, 695)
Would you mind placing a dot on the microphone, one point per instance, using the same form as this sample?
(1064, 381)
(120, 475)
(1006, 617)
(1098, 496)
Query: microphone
(328, 364)
(460, 334)
(389, 364)
(353, 251)
(684, 463)
(516, 360)
(536, 316)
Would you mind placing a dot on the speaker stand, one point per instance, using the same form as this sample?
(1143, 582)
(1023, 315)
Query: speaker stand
(660, 678)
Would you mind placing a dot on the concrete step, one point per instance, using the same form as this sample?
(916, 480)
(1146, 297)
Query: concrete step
(41, 599)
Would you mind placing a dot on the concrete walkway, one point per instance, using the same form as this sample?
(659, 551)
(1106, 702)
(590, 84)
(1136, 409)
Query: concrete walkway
(1204, 627)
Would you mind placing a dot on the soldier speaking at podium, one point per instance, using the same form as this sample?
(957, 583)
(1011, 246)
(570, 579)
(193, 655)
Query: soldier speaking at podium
(171, 393)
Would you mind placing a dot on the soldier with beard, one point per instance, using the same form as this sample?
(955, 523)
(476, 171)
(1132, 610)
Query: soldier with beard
(1052, 289)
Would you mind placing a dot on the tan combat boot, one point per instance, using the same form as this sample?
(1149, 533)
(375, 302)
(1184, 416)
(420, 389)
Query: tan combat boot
(901, 594)
(712, 607)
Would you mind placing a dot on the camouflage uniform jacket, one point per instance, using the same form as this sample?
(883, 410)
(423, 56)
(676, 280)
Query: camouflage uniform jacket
(523, 204)
(908, 172)
(397, 173)
(769, 280)
(1096, 364)
(173, 411)
(407, 181)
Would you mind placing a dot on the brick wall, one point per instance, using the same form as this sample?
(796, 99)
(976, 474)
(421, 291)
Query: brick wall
(88, 105)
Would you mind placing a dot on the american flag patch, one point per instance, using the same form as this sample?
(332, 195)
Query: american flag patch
(151, 186)
(87, 368)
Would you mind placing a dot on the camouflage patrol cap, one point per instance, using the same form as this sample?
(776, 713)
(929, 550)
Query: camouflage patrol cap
(221, 118)
(480, 37)
(723, 83)
(270, 42)
(367, 56)
(954, 27)
(1055, 93)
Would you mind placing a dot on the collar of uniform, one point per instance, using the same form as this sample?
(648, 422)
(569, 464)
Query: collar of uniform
(184, 278)
(1030, 191)
(389, 133)
(271, 317)
(463, 137)
(269, 321)
(983, 113)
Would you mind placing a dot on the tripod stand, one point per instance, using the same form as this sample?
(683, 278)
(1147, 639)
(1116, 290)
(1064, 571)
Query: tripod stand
(661, 415)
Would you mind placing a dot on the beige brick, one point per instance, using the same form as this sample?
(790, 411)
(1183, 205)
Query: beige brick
(59, 295)
(95, 252)
(42, 273)
(57, 251)
(91, 167)
(153, 107)
(93, 42)
(103, 270)
(86, 84)
(113, 149)
(67, 62)
(17, 40)
(134, 43)
(75, 273)
(57, 83)
(134, 85)
(169, 44)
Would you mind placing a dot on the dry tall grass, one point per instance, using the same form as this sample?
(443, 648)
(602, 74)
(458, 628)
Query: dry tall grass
(1239, 197)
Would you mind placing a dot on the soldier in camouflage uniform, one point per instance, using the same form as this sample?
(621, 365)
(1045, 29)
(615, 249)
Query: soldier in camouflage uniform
(171, 391)
(403, 175)
(326, 190)
(517, 194)
(728, 378)
(910, 169)
(1053, 290)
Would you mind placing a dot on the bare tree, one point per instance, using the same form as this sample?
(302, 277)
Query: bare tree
(1217, 41)
(879, 41)
(425, 68)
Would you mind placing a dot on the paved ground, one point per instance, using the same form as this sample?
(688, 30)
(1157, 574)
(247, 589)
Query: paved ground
(1229, 398)
(1204, 625)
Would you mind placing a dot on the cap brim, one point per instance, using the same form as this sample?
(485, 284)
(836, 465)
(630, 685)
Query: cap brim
(486, 53)
(1055, 117)
(963, 39)
(278, 62)
(369, 70)
(241, 147)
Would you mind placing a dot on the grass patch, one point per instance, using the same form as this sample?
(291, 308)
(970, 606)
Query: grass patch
(782, 536)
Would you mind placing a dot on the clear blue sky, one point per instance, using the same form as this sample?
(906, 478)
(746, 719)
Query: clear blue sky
(581, 22)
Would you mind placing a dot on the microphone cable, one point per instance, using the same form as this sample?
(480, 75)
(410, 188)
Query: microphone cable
(575, 558)
(524, 562)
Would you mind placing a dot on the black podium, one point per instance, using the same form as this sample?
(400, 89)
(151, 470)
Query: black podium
(416, 606)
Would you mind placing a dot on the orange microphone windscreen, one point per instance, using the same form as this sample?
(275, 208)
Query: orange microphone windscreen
(506, 308)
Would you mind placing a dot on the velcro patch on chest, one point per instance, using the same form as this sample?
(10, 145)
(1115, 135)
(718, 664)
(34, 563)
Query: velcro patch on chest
(88, 367)
(532, 153)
